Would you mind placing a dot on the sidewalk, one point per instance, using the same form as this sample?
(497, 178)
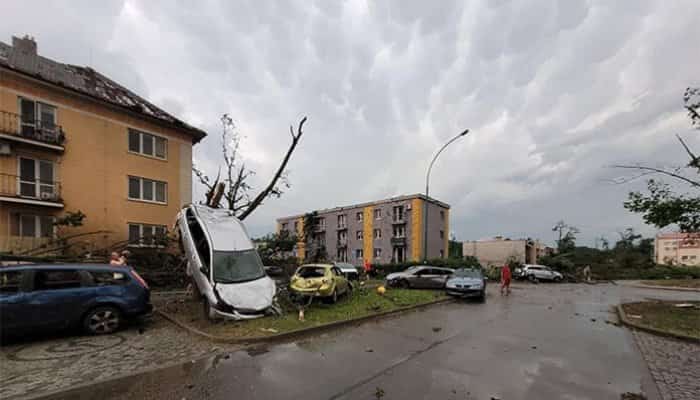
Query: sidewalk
(639, 284)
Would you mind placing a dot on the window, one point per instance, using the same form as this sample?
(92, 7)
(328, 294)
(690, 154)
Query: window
(358, 254)
(145, 235)
(321, 224)
(360, 216)
(36, 179)
(342, 221)
(684, 258)
(342, 237)
(377, 253)
(442, 215)
(27, 225)
(377, 213)
(104, 278)
(285, 226)
(359, 235)
(377, 234)
(442, 234)
(147, 190)
(37, 119)
(56, 279)
(147, 144)
(693, 257)
(343, 254)
(399, 231)
(398, 213)
(10, 281)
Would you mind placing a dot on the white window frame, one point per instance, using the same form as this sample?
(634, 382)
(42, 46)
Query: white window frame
(377, 252)
(359, 235)
(141, 183)
(342, 221)
(141, 135)
(360, 216)
(377, 233)
(342, 254)
(359, 254)
(142, 227)
(37, 177)
(377, 213)
(38, 105)
(37, 225)
(402, 229)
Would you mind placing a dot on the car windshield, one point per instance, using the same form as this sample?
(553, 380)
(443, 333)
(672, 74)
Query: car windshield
(311, 272)
(467, 273)
(237, 266)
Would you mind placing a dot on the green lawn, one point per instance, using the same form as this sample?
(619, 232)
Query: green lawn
(685, 283)
(666, 316)
(361, 302)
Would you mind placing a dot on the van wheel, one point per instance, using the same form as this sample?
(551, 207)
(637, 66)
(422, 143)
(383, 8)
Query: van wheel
(102, 320)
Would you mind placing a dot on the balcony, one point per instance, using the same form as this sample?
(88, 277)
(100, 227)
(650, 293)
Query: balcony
(38, 133)
(398, 241)
(14, 189)
(398, 219)
(342, 242)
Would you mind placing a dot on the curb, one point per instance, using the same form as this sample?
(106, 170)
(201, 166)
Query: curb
(675, 288)
(299, 332)
(632, 324)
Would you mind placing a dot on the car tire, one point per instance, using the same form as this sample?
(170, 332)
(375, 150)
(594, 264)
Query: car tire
(532, 278)
(482, 297)
(404, 284)
(557, 279)
(334, 296)
(102, 320)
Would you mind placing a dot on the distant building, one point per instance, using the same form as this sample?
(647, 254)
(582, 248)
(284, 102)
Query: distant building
(381, 231)
(499, 250)
(677, 249)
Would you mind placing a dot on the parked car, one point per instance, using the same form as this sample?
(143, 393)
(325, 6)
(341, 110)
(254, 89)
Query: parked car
(320, 280)
(273, 270)
(224, 264)
(349, 270)
(537, 273)
(420, 277)
(98, 298)
(467, 282)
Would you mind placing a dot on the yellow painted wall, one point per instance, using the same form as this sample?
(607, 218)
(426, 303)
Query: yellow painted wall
(416, 229)
(301, 245)
(94, 167)
(367, 225)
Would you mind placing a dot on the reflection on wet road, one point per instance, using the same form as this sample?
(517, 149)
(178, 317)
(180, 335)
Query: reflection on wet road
(542, 342)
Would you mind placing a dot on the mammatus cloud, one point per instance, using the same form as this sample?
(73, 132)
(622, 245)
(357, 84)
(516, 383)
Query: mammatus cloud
(553, 92)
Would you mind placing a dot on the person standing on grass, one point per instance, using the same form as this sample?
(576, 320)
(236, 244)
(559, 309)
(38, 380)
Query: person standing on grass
(505, 279)
(368, 268)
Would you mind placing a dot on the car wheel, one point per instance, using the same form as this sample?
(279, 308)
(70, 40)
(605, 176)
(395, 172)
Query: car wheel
(102, 320)
(403, 284)
(482, 297)
(532, 278)
(557, 279)
(334, 296)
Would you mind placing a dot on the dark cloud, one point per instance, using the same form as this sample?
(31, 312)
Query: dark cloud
(553, 92)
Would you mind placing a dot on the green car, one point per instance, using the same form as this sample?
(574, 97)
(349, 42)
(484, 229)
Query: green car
(319, 280)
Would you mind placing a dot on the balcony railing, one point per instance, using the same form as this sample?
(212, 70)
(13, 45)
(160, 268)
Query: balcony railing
(40, 131)
(33, 189)
(398, 219)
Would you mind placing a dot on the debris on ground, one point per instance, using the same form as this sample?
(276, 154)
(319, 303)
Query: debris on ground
(593, 320)
(369, 350)
(270, 330)
(632, 396)
(495, 398)
(378, 393)
(533, 347)
(436, 329)
(635, 316)
(684, 305)
(615, 323)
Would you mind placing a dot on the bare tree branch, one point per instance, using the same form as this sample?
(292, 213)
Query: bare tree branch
(263, 194)
(659, 171)
(694, 161)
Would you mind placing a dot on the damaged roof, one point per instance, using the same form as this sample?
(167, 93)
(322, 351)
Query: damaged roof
(22, 57)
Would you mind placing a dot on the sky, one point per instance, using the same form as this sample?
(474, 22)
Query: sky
(553, 93)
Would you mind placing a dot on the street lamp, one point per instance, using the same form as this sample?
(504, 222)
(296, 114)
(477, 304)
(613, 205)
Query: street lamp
(427, 192)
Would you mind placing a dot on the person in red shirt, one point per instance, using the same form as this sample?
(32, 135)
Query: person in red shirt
(368, 268)
(505, 279)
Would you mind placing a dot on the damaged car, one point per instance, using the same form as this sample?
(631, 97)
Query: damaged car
(224, 264)
(326, 281)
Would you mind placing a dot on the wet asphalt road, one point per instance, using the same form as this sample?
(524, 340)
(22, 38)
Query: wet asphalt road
(544, 341)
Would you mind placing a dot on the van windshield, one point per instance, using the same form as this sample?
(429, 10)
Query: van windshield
(237, 266)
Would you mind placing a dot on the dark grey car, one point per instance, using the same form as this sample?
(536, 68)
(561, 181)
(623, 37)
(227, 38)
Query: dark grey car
(420, 277)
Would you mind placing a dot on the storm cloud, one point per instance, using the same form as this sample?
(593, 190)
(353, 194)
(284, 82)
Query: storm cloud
(553, 92)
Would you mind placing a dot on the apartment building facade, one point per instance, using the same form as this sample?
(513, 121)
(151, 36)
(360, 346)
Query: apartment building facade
(677, 249)
(499, 250)
(71, 140)
(384, 231)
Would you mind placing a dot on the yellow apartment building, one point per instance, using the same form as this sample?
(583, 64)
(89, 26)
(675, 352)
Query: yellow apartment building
(677, 248)
(72, 139)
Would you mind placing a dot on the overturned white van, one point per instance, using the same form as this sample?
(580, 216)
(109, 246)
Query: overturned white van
(224, 265)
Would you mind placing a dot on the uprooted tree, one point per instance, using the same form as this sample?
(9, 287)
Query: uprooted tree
(661, 206)
(234, 188)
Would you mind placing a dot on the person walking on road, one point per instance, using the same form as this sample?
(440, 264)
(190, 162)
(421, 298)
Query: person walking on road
(505, 279)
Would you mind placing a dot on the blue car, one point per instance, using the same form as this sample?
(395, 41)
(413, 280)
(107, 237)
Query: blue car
(46, 298)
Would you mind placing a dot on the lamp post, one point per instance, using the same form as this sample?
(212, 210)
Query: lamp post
(427, 192)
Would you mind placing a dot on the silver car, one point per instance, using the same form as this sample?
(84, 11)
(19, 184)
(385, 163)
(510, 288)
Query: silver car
(420, 277)
(539, 273)
(467, 282)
